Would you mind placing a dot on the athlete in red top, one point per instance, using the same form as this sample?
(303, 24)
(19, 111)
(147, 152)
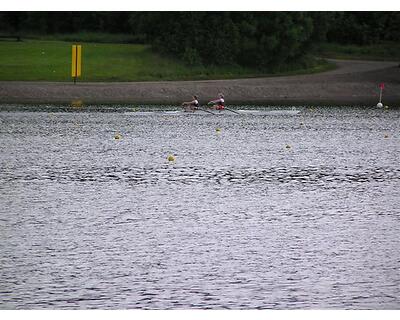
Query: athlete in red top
(218, 104)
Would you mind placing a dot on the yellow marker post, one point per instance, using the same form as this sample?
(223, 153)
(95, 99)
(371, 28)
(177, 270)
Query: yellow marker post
(76, 61)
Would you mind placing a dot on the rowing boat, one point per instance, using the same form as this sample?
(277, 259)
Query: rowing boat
(255, 112)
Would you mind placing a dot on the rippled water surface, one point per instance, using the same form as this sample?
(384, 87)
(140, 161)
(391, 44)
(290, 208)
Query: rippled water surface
(276, 210)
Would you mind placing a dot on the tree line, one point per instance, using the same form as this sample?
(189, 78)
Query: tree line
(262, 39)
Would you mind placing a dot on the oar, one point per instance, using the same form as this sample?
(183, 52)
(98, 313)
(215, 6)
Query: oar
(232, 110)
(206, 110)
(228, 109)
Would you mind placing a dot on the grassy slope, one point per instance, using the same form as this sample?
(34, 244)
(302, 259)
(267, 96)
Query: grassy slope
(51, 61)
(382, 51)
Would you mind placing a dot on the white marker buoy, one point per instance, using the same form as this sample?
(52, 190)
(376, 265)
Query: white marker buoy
(381, 87)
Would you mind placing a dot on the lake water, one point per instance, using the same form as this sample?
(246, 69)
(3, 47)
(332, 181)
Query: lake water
(272, 211)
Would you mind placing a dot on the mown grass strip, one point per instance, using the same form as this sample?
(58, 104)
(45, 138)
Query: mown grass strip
(38, 60)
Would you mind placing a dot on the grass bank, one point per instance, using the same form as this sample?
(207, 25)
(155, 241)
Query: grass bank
(44, 60)
(389, 51)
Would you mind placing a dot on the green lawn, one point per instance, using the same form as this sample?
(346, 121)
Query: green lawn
(51, 61)
(380, 51)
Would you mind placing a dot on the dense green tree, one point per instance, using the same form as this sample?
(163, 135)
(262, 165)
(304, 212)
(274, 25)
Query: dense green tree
(64, 22)
(261, 39)
(392, 27)
(364, 27)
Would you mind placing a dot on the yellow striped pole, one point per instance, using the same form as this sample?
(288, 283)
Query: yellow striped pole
(76, 70)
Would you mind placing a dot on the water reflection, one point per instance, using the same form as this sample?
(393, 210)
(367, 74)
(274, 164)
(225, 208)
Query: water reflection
(191, 175)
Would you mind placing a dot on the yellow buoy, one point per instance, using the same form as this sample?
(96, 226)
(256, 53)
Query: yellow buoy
(117, 136)
(386, 107)
(77, 104)
(171, 158)
(218, 130)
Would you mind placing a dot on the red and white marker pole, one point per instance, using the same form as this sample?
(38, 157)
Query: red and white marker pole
(381, 87)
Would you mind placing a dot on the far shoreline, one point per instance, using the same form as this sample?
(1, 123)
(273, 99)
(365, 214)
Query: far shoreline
(354, 82)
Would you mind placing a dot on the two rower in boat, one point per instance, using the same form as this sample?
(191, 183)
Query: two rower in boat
(192, 106)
